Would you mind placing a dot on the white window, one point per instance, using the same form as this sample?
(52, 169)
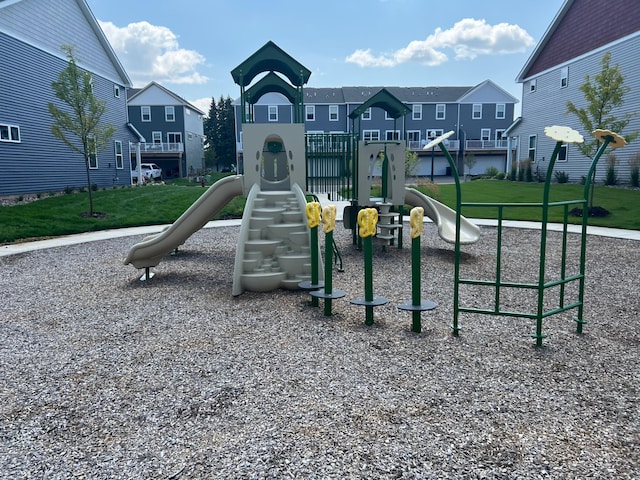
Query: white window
(440, 111)
(387, 116)
(145, 113)
(391, 135)
(310, 112)
(9, 133)
(500, 139)
(371, 135)
(416, 113)
(477, 111)
(366, 115)
(564, 77)
(485, 134)
(118, 151)
(532, 148)
(333, 113)
(156, 137)
(247, 112)
(273, 113)
(173, 140)
(93, 154)
(500, 110)
(116, 91)
(562, 155)
(169, 114)
(413, 137)
(532, 85)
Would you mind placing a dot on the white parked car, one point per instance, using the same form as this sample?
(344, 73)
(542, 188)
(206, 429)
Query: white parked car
(150, 171)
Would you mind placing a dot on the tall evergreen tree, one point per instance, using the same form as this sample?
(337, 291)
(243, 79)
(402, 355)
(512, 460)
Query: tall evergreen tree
(210, 127)
(219, 128)
(78, 124)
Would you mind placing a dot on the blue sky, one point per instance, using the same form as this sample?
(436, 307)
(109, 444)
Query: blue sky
(191, 46)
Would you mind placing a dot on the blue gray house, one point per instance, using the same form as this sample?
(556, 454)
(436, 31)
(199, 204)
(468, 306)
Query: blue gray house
(31, 158)
(171, 129)
(478, 115)
(581, 33)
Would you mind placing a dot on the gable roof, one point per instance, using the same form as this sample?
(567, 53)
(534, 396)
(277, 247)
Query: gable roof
(487, 92)
(579, 27)
(384, 100)
(133, 93)
(60, 35)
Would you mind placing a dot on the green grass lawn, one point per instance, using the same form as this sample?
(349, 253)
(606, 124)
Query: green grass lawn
(162, 204)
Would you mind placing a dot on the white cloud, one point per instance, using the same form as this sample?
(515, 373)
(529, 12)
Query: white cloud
(204, 104)
(150, 52)
(468, 39)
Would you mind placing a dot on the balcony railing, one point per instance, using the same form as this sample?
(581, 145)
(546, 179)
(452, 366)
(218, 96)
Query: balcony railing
(454, 145)
(163, 147)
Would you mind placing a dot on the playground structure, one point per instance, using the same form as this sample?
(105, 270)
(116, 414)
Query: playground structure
(282, 166)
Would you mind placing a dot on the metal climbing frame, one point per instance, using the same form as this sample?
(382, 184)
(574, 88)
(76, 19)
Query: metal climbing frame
(540, 286)
(330, 160)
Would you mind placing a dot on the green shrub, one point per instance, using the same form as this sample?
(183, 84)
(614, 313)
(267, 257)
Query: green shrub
(94, 187)
(528, 174)
(611, 177)
(561, 177)
(68, 190)
(38, 195)
(491, 172)
(634, 163)
(500, 176)
(20, 198)
(514, 171)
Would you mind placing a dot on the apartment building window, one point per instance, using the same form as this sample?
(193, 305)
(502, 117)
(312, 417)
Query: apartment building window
(333, 113)
(562, 154)
(145, 113)
(485, 134)
(500, 110)
(564, 77)
(387, 116)
(156, 137)
(532, 85)
(173, 139)
(477, 111)
(93, 153)
(371, 135)
(116, 91)
(434, 133)
(273, 113)
(169, 114)
(413, 137)
(416, 113)
(247, 112)
(440, 111)
(9, 133)
(117, 144)
(391, 135)
(366, 115)
(500, 139)
(310, 112)
(532, 148)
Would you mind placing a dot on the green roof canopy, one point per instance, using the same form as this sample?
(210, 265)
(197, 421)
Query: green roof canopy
(270, 58)
(385, 100)
(270, 83)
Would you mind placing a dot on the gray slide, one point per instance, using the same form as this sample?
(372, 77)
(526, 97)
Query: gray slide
(444, 218)
(149, 252)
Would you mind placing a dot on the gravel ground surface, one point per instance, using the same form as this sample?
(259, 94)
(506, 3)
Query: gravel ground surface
(103, 376)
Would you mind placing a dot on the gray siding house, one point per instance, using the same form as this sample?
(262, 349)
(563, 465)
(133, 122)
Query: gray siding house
(31, 158)
(171, 128)
(572, 48)
(478, 115)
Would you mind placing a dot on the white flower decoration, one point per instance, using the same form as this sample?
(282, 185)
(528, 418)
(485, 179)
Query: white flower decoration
(563, 134)
(615, 140)
(438, 140)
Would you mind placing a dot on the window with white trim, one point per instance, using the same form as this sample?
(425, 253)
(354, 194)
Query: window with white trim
(501, 110)
(170, 113)
(416, 113)
(371, 135)
(440, 111)
(532, 85)
(485, 134)
(413, 137)
(273, 113)
(366, 115)
(333, 113)
(156, 137)
(564, 77)
(117, 146)
(310, 114)
(173, 139)
(93, 153)
(562, 154)
(391, 135)
(477, 111)
(116, 91)
(9, 133)
(532, 148)
(145, 113)
(434, 133)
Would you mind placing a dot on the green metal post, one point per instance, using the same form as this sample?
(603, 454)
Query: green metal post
(368, 278)
(314, 263)
(328, 265)
(416, 298)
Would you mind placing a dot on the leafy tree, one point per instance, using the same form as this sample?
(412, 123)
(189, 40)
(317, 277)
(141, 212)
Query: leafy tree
(78, 124)
(411, 161)
(603, 94)
(469, 162)
(219, 129)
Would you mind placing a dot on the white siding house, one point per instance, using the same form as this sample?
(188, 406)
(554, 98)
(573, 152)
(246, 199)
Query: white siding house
(572, 48)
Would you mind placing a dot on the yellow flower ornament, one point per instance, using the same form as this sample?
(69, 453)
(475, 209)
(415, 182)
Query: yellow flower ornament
(563, 134)
(615, 140)
(313, 210)
(367, 221)
(328, 218)
(416, 221)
